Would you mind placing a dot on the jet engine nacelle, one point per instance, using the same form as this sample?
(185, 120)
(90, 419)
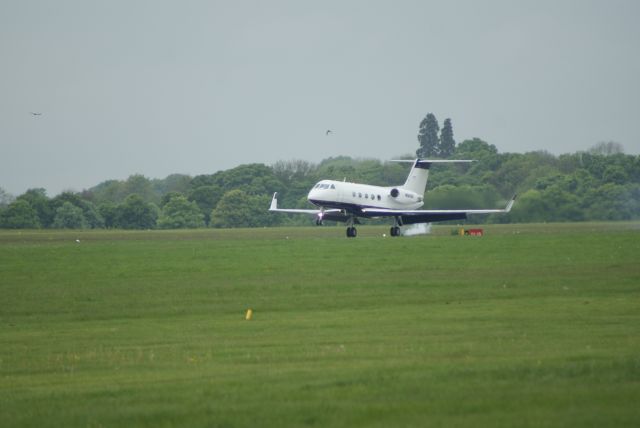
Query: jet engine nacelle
(404, 197)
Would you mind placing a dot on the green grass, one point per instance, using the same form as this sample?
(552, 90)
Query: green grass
(530, 325)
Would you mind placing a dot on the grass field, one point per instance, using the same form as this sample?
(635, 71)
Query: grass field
(530, 325)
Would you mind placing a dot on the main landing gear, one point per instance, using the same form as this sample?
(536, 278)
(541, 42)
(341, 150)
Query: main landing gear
(395, 229)
(351, 229)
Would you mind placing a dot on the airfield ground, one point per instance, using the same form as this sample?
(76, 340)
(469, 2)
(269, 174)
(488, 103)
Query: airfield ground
(529, 325)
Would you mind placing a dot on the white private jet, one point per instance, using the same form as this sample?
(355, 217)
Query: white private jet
(343, 201)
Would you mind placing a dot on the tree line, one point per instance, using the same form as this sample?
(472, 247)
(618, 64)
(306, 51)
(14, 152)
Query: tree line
(602, 183)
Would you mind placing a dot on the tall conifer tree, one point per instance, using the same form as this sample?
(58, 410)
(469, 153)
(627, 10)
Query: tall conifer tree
(447, 143)
(428, 137)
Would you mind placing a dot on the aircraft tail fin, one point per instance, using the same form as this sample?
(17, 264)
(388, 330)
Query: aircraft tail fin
(419, 174)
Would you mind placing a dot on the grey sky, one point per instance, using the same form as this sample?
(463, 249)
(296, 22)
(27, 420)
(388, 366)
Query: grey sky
(158, 87)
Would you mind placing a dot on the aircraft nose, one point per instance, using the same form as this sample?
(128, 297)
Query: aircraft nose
(313, 193)
(317, 194)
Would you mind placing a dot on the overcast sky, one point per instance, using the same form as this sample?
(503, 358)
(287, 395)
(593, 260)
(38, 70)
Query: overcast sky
(193, 87)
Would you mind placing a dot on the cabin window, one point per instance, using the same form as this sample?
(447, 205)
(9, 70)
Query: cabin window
(359, 195)
(333, 187)
(354, 194)
(379, 198)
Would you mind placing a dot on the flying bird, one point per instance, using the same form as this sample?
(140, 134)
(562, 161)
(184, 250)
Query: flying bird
(36, 114)
(328, 132)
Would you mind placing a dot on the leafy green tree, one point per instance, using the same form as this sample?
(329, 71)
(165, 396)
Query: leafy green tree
(135, 213)
(167, 197)
(5, 198)
(91, 215)
(202, 180)
(63, 197)
(471, 174)
(39, 201)
(239, 209)
(594, 164)
(179, 183)
(109, 213)
(393, 173)
(107, 191)
(255, 179)
(563, 205)
(206, 197)
(180, 213)
(634, 169)
(462, 197)
(519, 172)
(530, 207)
(294, 170)
(475, 149)
(338, 168)
(569, 162)
(615, 174)
(447, 143)
(69, 216)
(140, 185)
(607, 148)
(428, 137)
(19, 215)
(614, 202)
(296, 178)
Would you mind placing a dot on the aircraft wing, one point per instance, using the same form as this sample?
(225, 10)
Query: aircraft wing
(274, 207)
(427, 216)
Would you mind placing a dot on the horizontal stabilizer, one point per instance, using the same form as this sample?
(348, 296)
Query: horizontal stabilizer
(430, 161)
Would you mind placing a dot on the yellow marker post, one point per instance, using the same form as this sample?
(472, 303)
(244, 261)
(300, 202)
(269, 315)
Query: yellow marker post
(249, 314)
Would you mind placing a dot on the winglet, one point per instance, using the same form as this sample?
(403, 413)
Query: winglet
(510, 204)
(274, 202)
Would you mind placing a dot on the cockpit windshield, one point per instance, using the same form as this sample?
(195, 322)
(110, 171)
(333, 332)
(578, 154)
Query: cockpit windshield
(324, 186)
